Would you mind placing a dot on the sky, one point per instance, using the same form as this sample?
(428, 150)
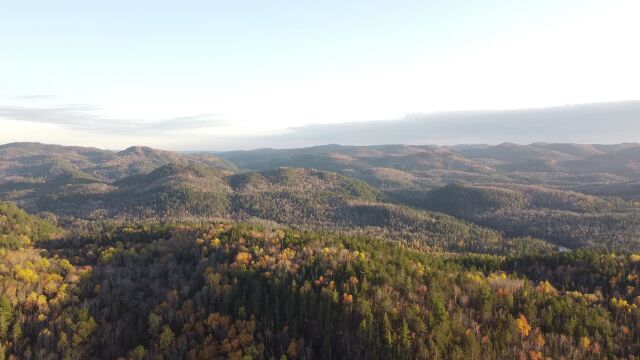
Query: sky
(221, 75)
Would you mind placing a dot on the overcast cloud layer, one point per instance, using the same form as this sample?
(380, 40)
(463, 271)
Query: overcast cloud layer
(593, 123)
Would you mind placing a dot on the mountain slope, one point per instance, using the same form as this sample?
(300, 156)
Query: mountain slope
(388, 166)
(17, 228)
(565, 218)
(302, 198)
(513, 153)
(625, 162)
(37, 162)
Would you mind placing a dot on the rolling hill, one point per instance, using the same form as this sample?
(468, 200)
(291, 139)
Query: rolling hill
(42, 162)
(303, 198)
(566, 218)
(396, 191)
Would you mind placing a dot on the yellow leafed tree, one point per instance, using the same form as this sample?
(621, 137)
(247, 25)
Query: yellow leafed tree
(523, 325)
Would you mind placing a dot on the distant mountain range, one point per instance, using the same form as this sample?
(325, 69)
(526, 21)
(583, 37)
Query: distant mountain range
(568, 164)
(492, 195)
(46, 162)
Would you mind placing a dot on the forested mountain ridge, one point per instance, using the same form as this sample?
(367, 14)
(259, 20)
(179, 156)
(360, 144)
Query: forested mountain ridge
(562, 217)
(303, 198)
(572, 195)
(539, 163)
(363, 162)
(492, 192)
(35, 162)
(565, 164)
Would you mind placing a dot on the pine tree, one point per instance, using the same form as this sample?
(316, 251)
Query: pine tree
(6, 316)
(405, 341)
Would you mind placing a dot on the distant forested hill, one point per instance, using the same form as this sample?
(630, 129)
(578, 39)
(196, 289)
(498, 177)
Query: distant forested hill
(565, 195)
(303, 198)
(540, 163)
(36, 163)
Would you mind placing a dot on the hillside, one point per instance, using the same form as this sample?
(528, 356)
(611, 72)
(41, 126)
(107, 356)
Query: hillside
(17, 228)
(475, 200)
(77, 180)
(624, 190)
(514, 153)
(564, 218)
(35, 162)
(369, 191)
(624, 162)
(332, 157)
(388, 166)
(620, 161)
(302, 198)
(393, 167)
(577, 150)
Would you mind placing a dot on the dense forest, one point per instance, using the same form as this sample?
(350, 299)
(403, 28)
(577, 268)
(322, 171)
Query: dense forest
(238, 291)
(383, 252)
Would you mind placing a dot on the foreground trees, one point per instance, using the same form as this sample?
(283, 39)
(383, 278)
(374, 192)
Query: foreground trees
(201, 291)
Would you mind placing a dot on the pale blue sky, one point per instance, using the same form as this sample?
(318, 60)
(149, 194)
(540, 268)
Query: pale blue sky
(176, 74)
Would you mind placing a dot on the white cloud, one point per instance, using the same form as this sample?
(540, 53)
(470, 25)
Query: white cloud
(83, 117)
